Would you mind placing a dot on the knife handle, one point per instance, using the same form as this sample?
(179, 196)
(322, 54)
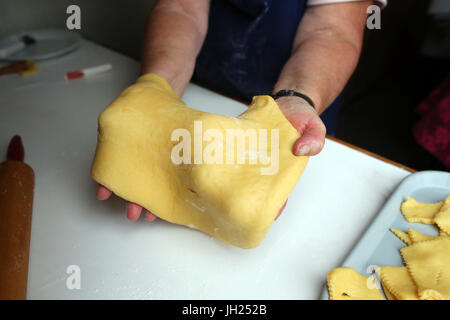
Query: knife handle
(14, 67)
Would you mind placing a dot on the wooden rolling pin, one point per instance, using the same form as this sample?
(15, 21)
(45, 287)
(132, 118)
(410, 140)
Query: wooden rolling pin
(16, 205)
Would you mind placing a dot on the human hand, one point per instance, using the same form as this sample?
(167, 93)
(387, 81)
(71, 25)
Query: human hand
(133, 210)
(302, 117)
(308, 124)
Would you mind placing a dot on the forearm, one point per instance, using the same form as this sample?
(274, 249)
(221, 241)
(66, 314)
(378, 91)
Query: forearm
(325, 52)
(320, 69)
(173, 40)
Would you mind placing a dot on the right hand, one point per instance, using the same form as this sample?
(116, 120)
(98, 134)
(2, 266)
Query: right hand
(133, 210)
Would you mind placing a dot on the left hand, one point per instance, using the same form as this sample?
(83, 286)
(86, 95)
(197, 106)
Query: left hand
(307, 122)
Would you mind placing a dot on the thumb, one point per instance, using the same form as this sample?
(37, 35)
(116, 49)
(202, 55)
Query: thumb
(311, 141)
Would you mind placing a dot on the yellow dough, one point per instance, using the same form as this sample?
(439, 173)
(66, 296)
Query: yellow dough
(234, 202)
(442, 218)
(398, 283)
(387, 293)
(347, 284)
(428, 264)
(416, 236)
(415, 211)
(401, 235)
(427, 258)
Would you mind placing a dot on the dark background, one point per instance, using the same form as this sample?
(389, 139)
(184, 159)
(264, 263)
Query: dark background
(400, 64)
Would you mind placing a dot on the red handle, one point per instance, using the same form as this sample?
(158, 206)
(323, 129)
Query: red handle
(15, 149)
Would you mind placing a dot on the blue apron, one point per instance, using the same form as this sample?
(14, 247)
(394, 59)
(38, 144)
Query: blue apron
(247, 44)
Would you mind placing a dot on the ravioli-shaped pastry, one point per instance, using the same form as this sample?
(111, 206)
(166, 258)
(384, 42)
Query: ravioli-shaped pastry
(413, 236)
(387, 293)
(416, 236)
(403, 236)
(397, 281)
(347, 284)
(175, 161)
(415, 211)
(428, 264)
(442, 218)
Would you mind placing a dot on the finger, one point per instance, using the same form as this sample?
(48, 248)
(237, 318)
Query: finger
(311, 142)
(133, 211)
(149, 216)
(103, 193)
(281, 210)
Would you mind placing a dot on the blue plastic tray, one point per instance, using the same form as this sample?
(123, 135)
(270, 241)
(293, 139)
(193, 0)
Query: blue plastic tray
(379, 246)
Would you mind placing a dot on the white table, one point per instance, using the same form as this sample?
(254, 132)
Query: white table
(335, 200)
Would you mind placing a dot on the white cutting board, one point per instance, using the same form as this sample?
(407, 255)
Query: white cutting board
(336, 198)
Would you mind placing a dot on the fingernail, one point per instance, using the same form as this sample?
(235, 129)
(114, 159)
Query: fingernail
(304, 150)
(149, 216)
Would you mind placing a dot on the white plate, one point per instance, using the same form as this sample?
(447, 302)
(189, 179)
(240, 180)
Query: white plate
(49, 43)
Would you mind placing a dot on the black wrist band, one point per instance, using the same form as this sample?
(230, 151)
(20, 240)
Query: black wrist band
(290, 93)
